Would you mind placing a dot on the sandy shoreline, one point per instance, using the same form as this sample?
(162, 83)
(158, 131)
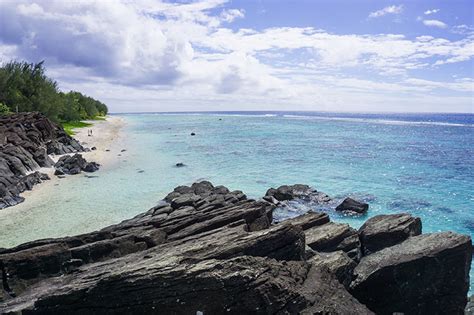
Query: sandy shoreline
(107, 135)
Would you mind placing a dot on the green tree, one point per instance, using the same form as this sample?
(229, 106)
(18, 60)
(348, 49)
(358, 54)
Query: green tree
(25, 87)
(4, 109)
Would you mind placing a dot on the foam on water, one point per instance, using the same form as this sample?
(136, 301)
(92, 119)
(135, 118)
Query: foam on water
(421, 164)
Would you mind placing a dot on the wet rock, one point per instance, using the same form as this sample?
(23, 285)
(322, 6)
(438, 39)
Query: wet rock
(72, 165)
(470, 306)
(287, 192)
(425, 274)
(352, 205)
(387, 230)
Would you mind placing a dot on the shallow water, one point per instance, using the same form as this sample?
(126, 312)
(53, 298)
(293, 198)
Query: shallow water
(422, 164)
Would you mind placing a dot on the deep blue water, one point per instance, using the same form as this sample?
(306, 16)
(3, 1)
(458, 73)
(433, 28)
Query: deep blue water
(416, 163)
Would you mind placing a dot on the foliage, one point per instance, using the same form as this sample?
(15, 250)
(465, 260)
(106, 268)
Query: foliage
(69, 126)
(4, 109)
(25, 87)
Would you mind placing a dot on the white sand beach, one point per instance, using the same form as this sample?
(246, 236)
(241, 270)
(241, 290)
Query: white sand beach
(106, 135)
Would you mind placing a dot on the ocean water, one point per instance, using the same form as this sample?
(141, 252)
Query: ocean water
(416, 163)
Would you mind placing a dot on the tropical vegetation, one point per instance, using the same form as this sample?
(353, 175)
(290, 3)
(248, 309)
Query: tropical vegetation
(24, 87)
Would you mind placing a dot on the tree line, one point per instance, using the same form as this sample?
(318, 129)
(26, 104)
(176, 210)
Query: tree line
(24, 87)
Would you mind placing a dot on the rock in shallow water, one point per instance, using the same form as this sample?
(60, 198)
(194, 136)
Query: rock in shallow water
(350, 204)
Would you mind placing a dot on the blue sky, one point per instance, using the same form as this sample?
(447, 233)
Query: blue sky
(147, 55)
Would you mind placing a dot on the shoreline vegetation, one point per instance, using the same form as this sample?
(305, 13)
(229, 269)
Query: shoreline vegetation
(70, 127)
(37, 122)
(25, 87)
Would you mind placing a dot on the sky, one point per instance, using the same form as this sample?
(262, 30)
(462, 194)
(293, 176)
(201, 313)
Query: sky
(218, 55)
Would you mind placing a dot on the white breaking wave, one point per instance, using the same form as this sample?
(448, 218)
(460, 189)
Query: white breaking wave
(381, 121)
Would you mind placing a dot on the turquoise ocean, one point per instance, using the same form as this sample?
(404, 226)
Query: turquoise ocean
(417, 163)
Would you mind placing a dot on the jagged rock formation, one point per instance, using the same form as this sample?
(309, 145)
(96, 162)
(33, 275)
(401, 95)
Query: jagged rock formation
(74, 164)
(387, 230)
(26, 139)
(206, 249)
(426, 274)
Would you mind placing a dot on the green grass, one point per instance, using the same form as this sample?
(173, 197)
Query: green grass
(70, 125)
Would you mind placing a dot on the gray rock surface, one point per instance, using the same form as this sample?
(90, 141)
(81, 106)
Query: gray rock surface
(207, 249)
(387, 230)
(74, 164)
(26, 139)
(425, 274)
(332, 237)
(224, 257)
(297, 191)
(352, 205)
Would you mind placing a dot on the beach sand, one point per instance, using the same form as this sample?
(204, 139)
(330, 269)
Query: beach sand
(106, 135)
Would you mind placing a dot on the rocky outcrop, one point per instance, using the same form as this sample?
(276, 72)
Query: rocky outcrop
(298, 191)
(387, 230)
(352, 205)
(74, 164)
(426, 274)
(26, 139)
(177, 258)
(205, 249)
(332, 237)
(301, 198)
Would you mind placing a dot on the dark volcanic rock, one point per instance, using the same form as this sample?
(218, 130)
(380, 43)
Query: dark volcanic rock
(309, 220)
(74, 164)
(470, 306)
(387, 230)
(211, 250)
(26, 139)
(287, 192)
(338, 263)
(332, 237)
(213, 257)
(350, 204)
(425, 274)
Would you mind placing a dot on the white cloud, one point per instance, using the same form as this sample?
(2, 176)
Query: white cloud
(232, 14)
(153, 55)
(393, 9)
(435, 23)
(432, 11)
(463, 29)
